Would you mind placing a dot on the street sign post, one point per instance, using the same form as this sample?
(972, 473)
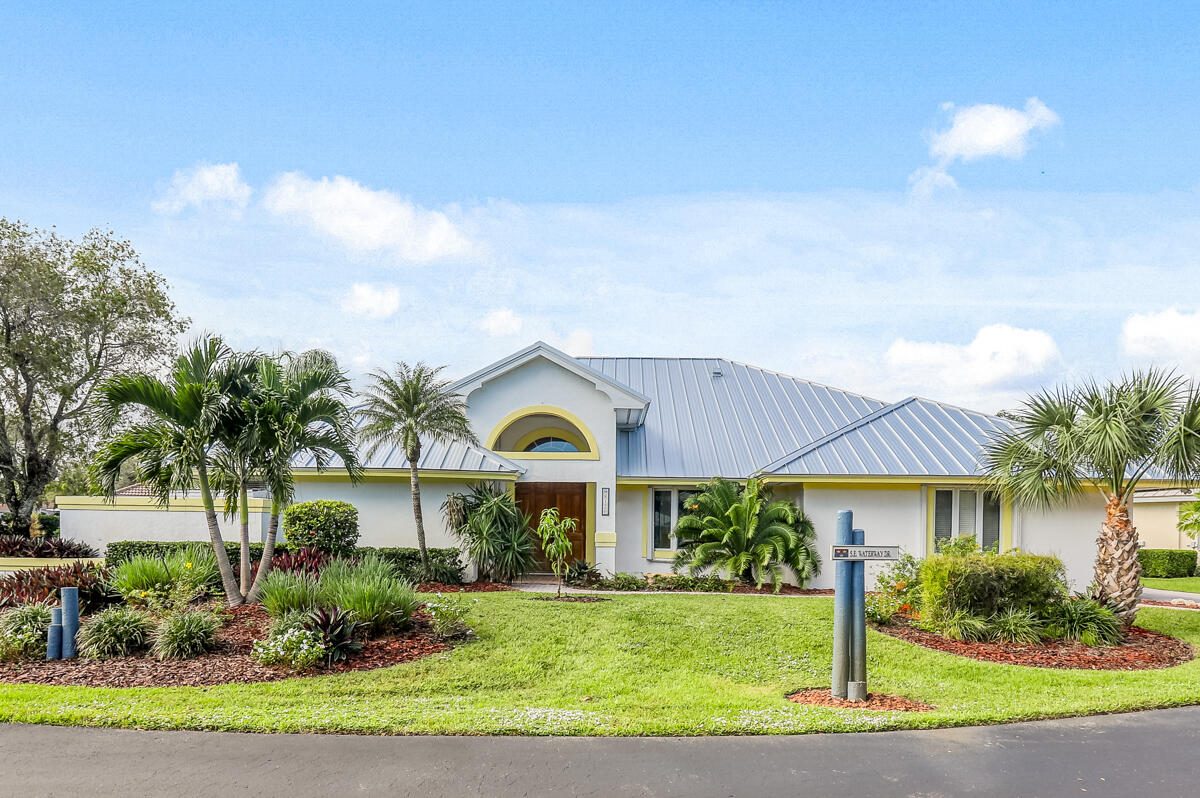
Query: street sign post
(850, 555)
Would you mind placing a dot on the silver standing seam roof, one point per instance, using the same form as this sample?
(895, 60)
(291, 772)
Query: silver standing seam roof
(716, 417)
(913, 437)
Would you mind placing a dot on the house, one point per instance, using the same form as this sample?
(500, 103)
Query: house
(1155, 512)
(619, 442)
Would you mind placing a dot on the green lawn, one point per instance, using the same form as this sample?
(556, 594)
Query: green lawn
(661, 664)
(1190, 584)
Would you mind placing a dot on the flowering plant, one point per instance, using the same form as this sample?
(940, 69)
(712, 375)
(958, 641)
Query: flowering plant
(296, 648)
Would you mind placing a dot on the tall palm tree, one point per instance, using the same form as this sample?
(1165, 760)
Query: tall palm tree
(747, 535)
(297, 407)
(171, 444)
(406, 406)
(1066, 443)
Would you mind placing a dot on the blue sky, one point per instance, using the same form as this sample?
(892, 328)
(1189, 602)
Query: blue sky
(963, 201)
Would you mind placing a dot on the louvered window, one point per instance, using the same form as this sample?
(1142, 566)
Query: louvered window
(967, 513)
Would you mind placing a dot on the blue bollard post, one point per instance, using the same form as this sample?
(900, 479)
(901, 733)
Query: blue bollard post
(70, 620)
(54, 637)
(841, 608)
(856, 688)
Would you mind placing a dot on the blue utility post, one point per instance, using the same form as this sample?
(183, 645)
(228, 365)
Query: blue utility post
(842, 607)
(856, 688)
(70, 620)
(54, 638)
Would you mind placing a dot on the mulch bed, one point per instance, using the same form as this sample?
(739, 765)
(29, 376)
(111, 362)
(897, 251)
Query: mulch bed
(1142, 650)
(1183, 603)
(879, 702)
(230, 663)
(785, 590)
(469, 587)
(579, 599)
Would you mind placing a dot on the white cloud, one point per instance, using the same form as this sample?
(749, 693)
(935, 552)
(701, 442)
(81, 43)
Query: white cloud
(372, 301)
(204, 184)
(1170, 338)
(366, 220)
(501, 322)
(577, 343)
(999, 357)
(980, 131)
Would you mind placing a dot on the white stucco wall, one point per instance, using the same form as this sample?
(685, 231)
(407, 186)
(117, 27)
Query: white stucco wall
(100, 527)
(1067, 532)
(385, 516)
(630, 554)
(892, 517)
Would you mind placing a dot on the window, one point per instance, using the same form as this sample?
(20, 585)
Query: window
(966, 513)
(667, 506)
(551, 444)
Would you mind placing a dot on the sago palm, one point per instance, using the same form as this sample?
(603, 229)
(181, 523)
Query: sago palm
(404, 408)
(171, 444)
(747, 535)
(1105, 439)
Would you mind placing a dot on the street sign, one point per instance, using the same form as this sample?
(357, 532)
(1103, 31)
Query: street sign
(861, 553)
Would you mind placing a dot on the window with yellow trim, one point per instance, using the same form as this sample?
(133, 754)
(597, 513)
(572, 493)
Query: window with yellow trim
(967, 514)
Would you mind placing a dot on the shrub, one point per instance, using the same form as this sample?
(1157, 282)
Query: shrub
(381, 603)
(183, 635)
(582, 573)
(1085, 620)
(1167, 563)
(119, 551)
(115, 632)
(284, 592)
(901, 580)
(336, 630)
(962, 625)
(166, 582)
(623, 581)
(880, 607)
(448, 615)
(308, 561)
(985, 585)
(686, 582)
(445, 564)
(1016, 626)
(24, 630)
(40, 585)
(329, 526)
(44, 547)
(958, 547)
(299, 649)
(292, 619)
(493, 530)
(47, 522)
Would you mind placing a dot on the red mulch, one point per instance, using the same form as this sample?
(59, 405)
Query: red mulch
(880, 702)
(579, 599)
(1142, 650)
(230, 663)
(470, 587)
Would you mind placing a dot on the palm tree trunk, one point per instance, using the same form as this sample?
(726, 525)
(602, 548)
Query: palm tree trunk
(1118, 572)
(232, 593)
(415, 485)
(264, 565)
(244, 518)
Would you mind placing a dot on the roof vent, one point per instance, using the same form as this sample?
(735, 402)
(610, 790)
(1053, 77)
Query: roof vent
(717, 373)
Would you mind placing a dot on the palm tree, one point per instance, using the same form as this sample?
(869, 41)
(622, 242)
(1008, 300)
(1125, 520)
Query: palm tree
(296, 408)
(172, 444)
(746, 534)
(402, 408)
(1066, 443)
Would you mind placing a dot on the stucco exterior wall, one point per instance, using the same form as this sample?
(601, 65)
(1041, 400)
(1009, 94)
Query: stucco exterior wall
(1067, 532)
(1158, 525)
(385, 516)
(102, 526)
(888, 515)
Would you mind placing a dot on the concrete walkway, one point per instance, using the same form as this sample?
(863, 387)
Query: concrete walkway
(1149, 753)
(1155, 594)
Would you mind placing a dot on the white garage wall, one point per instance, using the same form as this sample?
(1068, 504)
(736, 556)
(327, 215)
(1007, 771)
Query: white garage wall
(1068, 532)
(888, 517)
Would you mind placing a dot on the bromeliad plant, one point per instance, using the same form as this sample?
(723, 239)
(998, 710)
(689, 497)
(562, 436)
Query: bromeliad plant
(1104, 438)
(554, 531)
(336, 629)
(746, 534)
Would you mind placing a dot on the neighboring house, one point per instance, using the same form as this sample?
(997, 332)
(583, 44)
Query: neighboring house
(618, 442)
(1156, 514)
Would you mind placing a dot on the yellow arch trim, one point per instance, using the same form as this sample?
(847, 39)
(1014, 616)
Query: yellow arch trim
(557, 432)
(592, 453)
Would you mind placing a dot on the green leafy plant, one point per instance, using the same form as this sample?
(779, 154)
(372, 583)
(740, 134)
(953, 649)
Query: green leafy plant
(957, 547)
(582, 573)
(328, 526)
(445, 564)
(284, 592)
(168, 582)
(292, 619)
(687, 583)
(24, 630)
(985, 585)
(881, 607)
(1015, 625)
(298, 649)
(1085, 620)
(336, 630)
(381, 603)
(1167, 563)
(493, 530)
(41, 585)
(623, 581)
(448, 617)
(747, 535)
(187, 634)
(901, 579)
(962, 625)
(115, 632)
(554, 532)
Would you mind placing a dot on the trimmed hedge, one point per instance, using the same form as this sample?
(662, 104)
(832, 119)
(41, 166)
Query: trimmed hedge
(987, 584)
(325, 525)
(1167, 563)
(49, 522)
(406, 560)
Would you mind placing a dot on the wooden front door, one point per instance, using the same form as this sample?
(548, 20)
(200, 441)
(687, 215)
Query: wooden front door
(571, 500)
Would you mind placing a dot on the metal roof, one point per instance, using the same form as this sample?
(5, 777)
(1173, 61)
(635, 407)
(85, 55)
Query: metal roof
(913, 437)
(715, 417)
